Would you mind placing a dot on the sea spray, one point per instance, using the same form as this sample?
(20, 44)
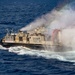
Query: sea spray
(68, 35)
(56, 19)
(64, 20)
(47, 54)
(43, 20)
(3, 48)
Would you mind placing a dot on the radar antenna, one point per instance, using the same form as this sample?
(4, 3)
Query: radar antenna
(7, 31)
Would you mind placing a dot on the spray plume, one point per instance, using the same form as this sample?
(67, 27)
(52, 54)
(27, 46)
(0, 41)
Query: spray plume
(56, 19)
(57, 16)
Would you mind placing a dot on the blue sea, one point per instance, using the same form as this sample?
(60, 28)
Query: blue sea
(16, 14)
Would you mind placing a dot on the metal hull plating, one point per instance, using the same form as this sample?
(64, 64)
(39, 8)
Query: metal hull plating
(31, 46)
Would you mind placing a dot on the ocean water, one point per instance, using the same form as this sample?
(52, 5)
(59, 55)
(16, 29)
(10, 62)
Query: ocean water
(15, 14)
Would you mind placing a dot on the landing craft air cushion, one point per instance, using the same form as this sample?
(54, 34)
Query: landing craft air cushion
(35, 39)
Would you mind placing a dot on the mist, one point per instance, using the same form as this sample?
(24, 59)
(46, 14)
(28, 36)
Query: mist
(57, 19)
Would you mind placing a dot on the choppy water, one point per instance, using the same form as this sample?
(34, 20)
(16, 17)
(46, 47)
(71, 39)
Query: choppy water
(23, 61)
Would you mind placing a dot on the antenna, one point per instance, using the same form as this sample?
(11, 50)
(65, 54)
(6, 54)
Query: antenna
(8, 33)
(11, 30)
(7, 30)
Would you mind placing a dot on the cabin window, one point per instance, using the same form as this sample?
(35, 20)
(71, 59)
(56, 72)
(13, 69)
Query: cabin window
(14, 37)
(27, 39)
(36, 40)
(20, 39)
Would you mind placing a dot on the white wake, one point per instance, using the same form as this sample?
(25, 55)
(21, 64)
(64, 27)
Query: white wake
(48, 54)
(3, 48)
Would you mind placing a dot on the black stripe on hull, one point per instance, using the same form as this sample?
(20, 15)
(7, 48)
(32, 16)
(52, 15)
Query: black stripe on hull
(32, 46)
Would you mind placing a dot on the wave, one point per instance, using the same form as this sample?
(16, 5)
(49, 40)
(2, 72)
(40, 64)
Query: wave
(3, 48)
(8, 23)
(47, 54)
